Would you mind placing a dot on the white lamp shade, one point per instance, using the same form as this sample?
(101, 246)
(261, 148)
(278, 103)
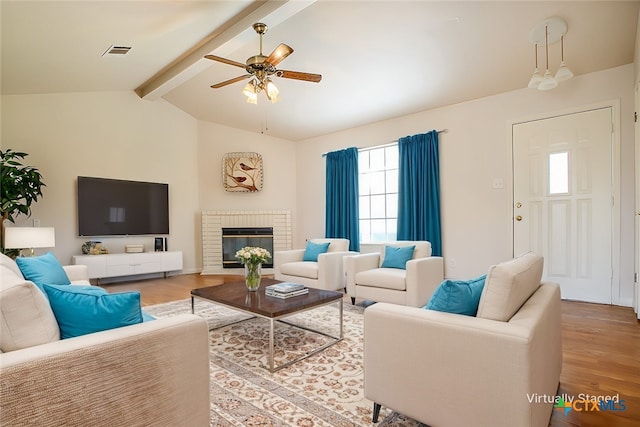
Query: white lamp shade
(563, 73)
(29, 237)
(548, 82)
(272, 92)
(535, 79)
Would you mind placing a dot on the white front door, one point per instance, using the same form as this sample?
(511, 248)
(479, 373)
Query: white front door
(562, 206)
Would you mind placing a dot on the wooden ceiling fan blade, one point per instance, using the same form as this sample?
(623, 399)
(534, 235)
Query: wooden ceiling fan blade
(230, 81)
(224, 60)
(279, 54)
(297, 75)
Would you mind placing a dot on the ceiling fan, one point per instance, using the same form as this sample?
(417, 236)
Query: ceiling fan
(261, 68)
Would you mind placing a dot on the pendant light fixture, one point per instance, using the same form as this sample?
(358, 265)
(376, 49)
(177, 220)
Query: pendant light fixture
(549, 32)
(563, 73)
(537, 77)
(548, 81)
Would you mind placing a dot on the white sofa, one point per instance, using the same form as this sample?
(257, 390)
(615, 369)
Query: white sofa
(327, 273)
(446, 369)
(154, 373)
(412, 286)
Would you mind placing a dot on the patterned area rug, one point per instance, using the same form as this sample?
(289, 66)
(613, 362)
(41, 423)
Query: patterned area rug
(323, 390)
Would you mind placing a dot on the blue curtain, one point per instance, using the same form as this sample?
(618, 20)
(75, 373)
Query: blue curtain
(419, 190)
(341, 213)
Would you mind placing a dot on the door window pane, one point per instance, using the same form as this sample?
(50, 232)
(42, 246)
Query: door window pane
(559, 173)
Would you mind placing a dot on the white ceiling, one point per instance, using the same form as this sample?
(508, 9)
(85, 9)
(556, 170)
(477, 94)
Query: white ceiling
(378, 59)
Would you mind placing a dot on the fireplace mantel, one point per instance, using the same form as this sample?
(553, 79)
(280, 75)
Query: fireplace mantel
(214, 221)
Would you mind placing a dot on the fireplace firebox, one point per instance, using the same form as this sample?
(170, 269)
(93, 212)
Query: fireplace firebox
(234, 239)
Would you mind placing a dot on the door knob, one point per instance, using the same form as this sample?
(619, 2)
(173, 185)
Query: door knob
(519, 218)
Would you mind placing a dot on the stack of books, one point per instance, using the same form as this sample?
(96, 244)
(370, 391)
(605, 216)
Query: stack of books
(285, 290)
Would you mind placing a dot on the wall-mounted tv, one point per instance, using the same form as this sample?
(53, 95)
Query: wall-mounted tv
(114, 207)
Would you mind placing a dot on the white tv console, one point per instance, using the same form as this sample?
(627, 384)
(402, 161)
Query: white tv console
(129, 264)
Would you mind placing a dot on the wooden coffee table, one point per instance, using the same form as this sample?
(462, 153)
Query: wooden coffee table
(236, 296)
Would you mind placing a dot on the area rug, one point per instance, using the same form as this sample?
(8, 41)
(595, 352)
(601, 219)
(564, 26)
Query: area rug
(325, 389)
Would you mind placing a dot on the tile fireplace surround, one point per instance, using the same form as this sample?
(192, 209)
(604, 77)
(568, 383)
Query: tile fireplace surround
(214, 221)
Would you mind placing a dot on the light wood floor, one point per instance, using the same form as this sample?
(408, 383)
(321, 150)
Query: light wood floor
(601, 346)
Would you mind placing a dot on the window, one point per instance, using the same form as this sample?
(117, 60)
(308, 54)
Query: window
(378, 192)
(559, 173)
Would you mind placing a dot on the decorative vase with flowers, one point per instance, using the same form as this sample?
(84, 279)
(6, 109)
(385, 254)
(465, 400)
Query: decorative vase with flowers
(252, 258)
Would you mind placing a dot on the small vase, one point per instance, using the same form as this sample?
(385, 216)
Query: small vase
(252, 276)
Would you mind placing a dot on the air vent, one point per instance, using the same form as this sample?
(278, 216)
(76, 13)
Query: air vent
(117, 50)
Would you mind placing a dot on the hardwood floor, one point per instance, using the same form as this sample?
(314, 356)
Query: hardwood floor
(601, 349)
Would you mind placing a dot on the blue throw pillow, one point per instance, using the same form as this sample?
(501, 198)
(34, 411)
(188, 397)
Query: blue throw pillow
(397, 257)
(43, 269)
(457, 296)
(313, 250)
(82, 310)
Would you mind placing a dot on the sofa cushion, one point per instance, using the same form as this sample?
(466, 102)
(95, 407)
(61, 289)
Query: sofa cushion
(386, 278)
(509, 285)
(26, 319)
(8, 277)
(43, 269)
(307, 269)
(7, 262)
(457, 296)
(82, 310)
(397, 257)
(313, 250)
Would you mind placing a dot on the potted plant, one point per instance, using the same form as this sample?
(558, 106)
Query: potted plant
(20, 186)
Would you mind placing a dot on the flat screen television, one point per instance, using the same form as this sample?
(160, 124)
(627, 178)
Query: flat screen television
(114, 207)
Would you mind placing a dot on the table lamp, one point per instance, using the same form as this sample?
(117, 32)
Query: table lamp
(29, 238)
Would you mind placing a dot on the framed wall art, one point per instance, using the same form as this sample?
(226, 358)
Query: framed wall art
(242, 172)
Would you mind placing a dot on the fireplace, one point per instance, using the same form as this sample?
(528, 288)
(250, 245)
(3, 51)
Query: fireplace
(214, 221)
(236, 238)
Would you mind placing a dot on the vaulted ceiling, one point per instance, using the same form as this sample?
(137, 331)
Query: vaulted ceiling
(378, 59)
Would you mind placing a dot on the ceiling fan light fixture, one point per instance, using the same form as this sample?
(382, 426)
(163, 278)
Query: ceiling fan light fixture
(260, 68)
(250, 92)
(272, 91)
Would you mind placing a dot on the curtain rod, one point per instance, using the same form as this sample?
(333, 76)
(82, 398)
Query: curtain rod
(384, 145)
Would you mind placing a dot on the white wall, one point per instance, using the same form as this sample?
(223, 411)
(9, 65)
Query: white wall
(476, 219)
(110, 135)
(118, 135)
(279, 167)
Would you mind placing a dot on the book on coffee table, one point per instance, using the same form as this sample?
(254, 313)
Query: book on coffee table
(285, 287)
(287, 294)
(285, 290)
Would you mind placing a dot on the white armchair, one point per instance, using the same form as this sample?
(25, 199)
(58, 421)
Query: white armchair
(445, 369)
(413, 286)
(327, 273)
